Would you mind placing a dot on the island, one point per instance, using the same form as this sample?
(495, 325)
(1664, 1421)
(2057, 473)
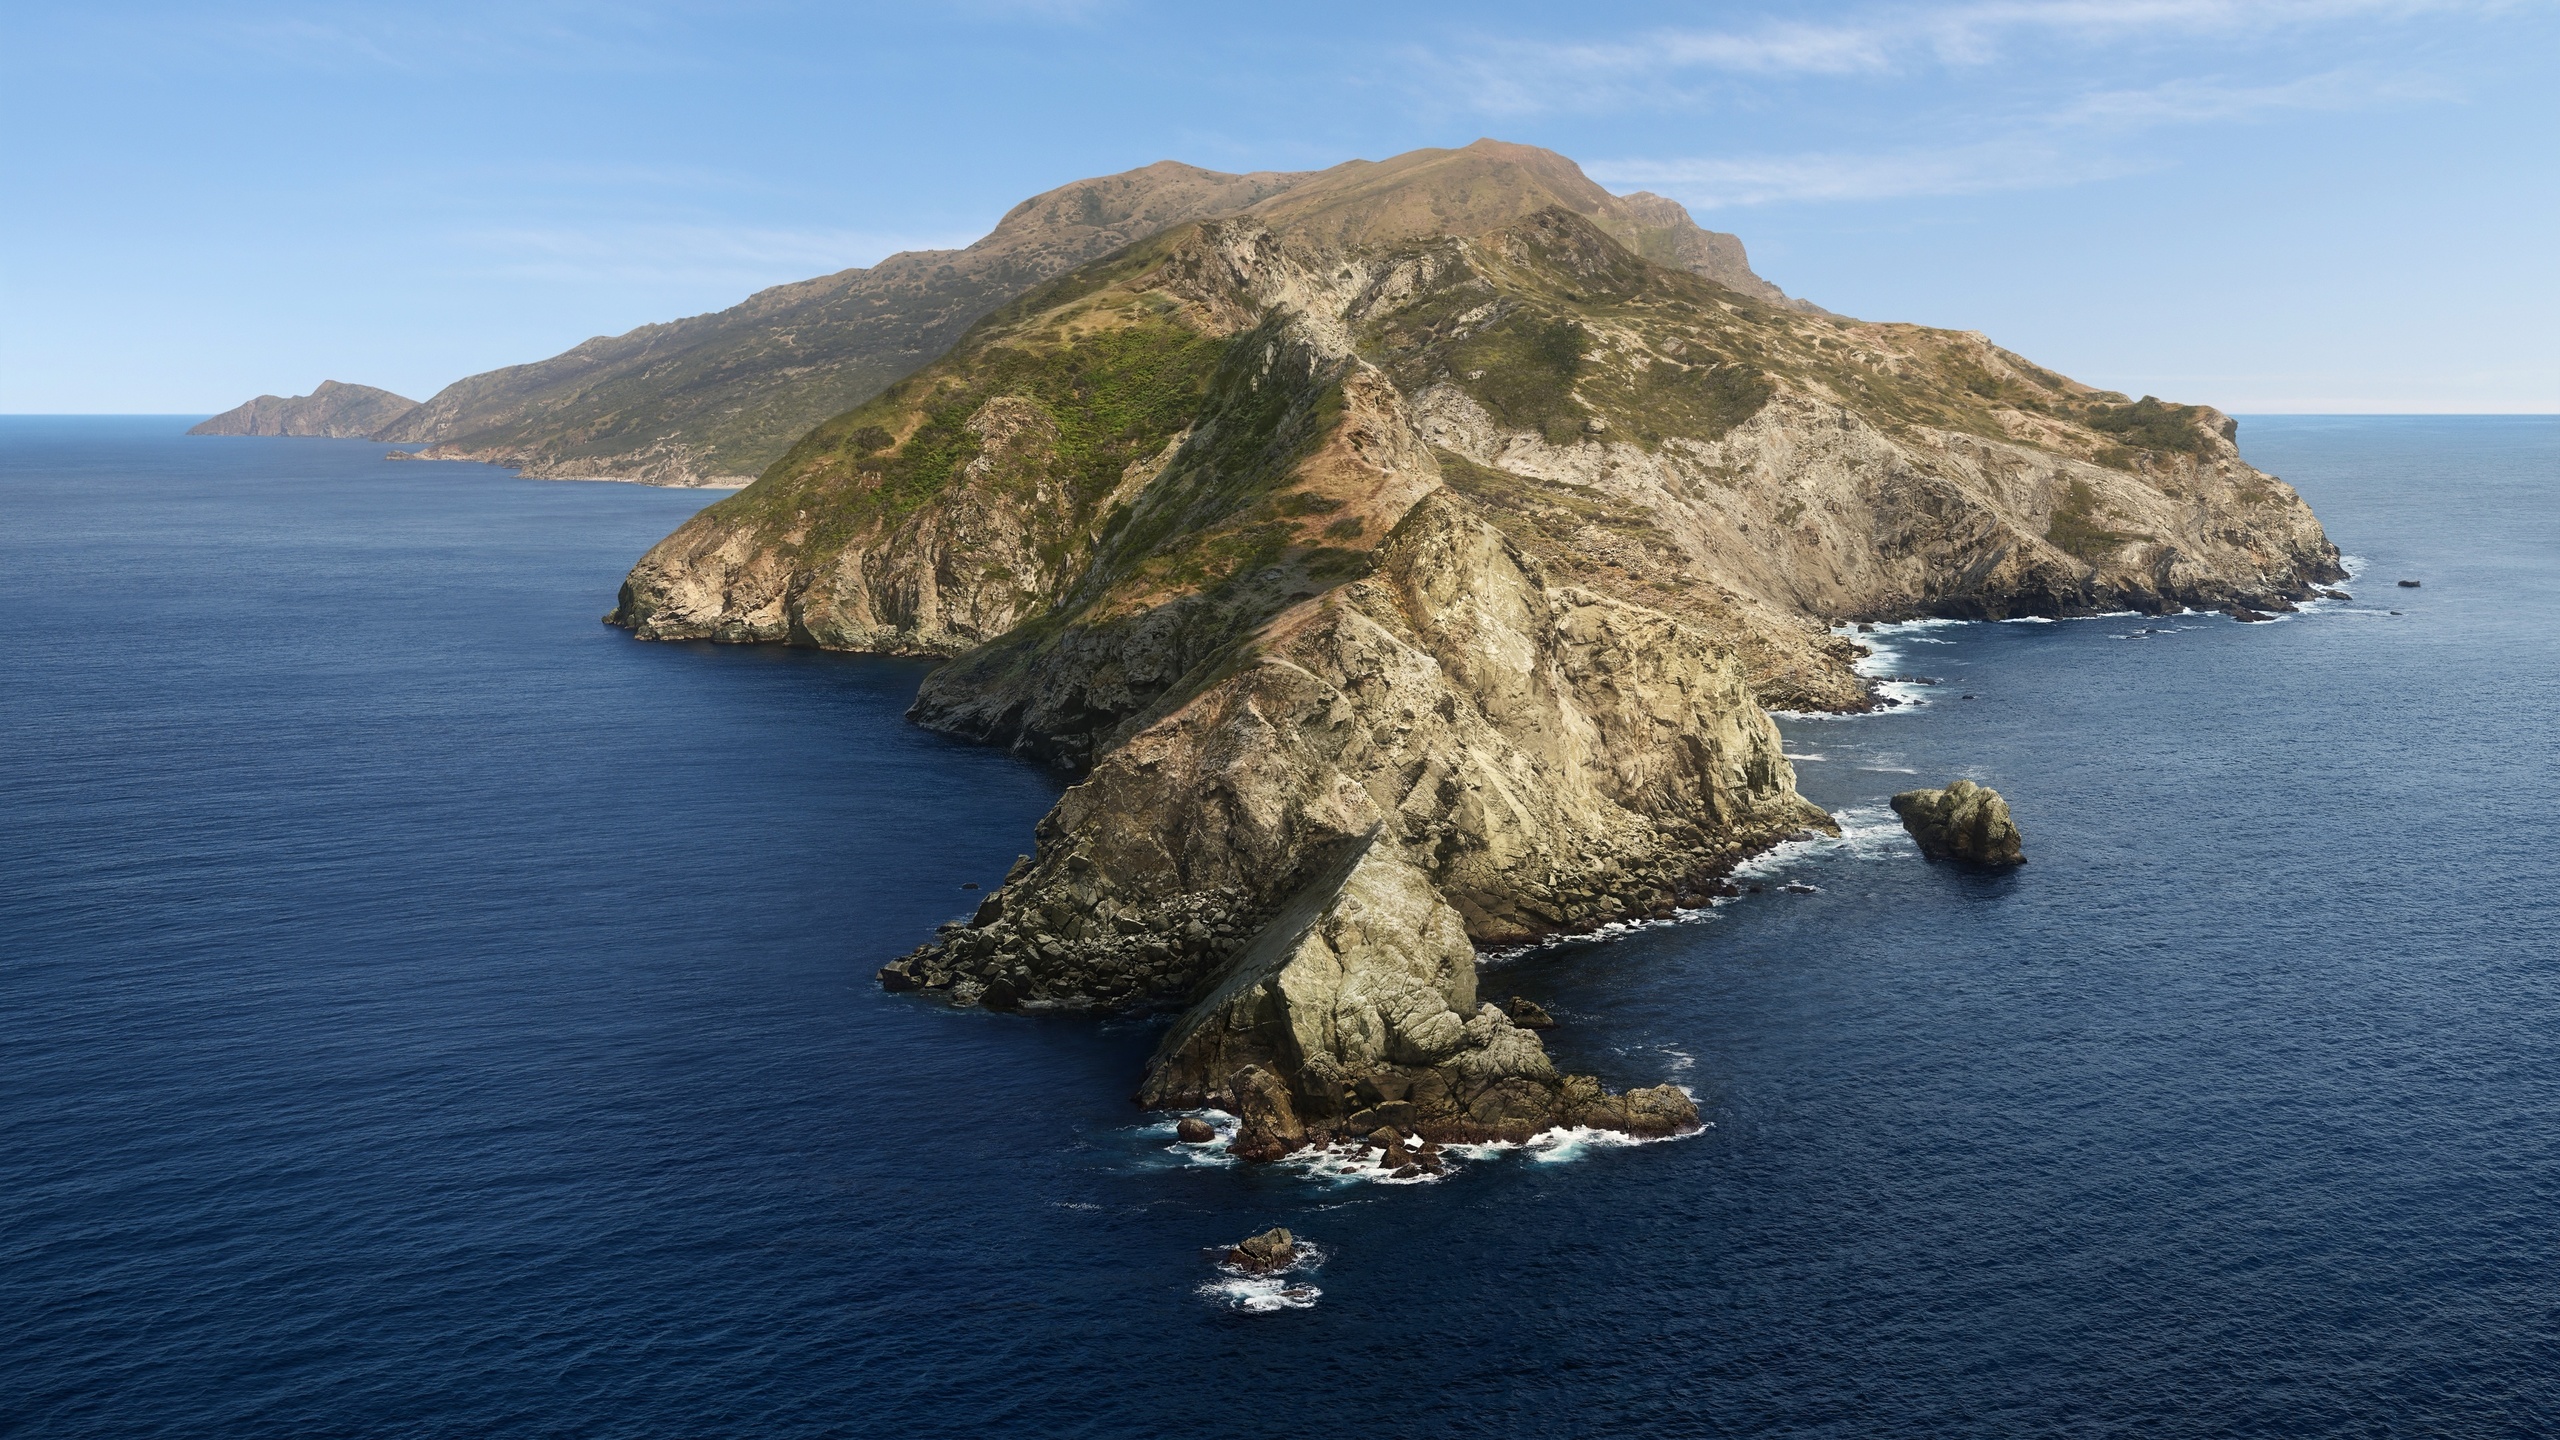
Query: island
(1407, 562)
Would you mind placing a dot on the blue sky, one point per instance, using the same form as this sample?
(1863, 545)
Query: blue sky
(2296, 205)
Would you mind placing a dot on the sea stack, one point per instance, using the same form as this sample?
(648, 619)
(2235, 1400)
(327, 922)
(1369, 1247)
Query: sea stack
(1965, 822)
(1273, 1249)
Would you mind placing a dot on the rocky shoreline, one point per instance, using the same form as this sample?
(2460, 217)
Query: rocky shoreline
(1407, 567)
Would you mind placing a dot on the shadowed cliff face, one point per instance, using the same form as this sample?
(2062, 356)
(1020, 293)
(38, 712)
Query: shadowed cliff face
(1394, 520)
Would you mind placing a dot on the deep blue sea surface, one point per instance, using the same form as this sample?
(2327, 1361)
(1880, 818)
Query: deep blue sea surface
(427, 1011)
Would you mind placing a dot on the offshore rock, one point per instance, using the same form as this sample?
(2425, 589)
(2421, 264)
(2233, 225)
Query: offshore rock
(1273, 1249)
(1965, 821)
(1529, 1014)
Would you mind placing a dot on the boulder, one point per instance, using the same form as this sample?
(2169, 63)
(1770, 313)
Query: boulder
(1273, 1249)
(1192, 1130)
(1528, 1014)
(1965, 822)
(1269, 1126)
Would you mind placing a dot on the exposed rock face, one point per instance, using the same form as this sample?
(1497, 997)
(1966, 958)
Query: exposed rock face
(335, 411)
(1273, 1249)
(1363, 992)
(1407, 563)
(1528, 1014)
(1488, 185)
(1965, 821)
(1268, 1125)
(1545, 757)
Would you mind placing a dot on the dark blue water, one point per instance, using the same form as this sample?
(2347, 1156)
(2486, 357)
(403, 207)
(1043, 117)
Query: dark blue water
(425, 1011)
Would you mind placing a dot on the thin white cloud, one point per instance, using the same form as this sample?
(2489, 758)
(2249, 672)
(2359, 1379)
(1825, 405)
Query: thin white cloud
(2046, 160)
(2181, 102)
(1715, 184)
(546, 35)
(684, 254)
(1513, 76)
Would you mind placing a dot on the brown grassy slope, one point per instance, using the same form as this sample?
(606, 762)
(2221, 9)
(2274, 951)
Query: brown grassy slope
(721, 396)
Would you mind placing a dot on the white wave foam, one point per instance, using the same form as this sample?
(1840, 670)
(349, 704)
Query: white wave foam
(1212, 1152)
(1347, 1162)
(1867, 832)
(1261, 1294)
(1557, 1146)
(1561, 1143)
(1615, 929)
(1882, 662)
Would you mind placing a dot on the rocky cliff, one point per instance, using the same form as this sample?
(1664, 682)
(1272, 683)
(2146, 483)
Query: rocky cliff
(1408, 561)
(334, 411)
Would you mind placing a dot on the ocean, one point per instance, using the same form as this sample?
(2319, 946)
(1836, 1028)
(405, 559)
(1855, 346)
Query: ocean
(427, 1011)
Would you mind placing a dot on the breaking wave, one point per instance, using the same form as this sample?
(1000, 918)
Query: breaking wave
(1239, 1289)
(1614, 929)
(1867, 832)
(1347, 1162)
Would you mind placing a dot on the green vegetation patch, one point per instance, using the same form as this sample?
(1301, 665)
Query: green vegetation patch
(2151, 424)
(2075, 529)
(1522, 368)
(1702, 397)
(1224, 506)
(1116, 394)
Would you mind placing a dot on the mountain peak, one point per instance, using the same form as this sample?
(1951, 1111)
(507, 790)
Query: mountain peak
(1489, 184)
(333, 410)
(721, 396)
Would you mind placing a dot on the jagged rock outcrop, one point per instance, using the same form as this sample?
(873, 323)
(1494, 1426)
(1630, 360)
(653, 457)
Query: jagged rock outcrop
(1406, 563)
(1547, 757)
(1273, 1249)
(1362, 992)
(334, 411)
(1965, 822)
